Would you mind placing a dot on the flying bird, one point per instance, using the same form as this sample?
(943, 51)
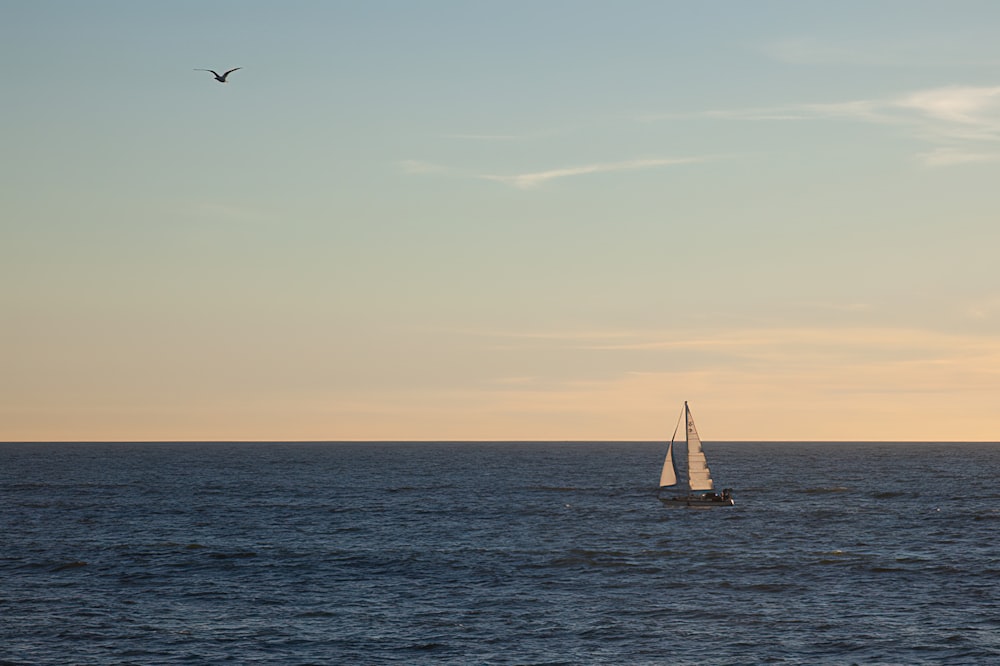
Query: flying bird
(221, 78)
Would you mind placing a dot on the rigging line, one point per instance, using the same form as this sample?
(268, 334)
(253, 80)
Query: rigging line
(676, 427)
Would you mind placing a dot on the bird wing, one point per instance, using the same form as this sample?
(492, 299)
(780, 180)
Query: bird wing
(231, 71)
(208, 70)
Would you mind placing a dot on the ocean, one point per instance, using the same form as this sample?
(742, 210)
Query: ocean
(496, 553)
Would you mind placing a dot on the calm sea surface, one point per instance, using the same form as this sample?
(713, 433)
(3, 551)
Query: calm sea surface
(496, 553)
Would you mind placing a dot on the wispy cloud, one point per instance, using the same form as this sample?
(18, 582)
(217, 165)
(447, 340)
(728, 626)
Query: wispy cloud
(861, 110)
(953, 115)
(952, 121)
(527, 181)
(944, 48)
(943, 157)
(797, 382)
(956, 120)
(887, 379)
(966, 105)
(952, 107)
(928, 50)
(808, 51)
(984, 309)
(792, 344)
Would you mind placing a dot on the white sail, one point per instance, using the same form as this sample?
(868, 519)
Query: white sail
(699, 478)
(668, 476)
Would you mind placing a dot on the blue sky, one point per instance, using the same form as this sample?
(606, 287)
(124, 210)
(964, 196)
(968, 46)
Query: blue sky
(485, 220)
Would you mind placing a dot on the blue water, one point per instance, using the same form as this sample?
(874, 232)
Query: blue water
(494, 553)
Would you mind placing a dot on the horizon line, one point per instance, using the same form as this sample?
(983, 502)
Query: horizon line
(493, 441)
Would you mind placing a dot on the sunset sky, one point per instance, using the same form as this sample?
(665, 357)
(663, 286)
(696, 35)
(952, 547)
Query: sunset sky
(518, 220)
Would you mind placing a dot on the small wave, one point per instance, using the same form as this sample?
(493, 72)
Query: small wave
(37, 485)
(410, 489)
(592, 558)
(890, 494)
(825, 490)
(423, 647)
(69, 565)
(767, 587)
(233, 556)
(837, 556)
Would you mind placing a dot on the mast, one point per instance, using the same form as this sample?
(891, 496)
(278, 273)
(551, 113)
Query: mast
(699, 476)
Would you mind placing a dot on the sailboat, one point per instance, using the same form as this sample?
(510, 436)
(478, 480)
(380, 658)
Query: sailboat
(699, 484)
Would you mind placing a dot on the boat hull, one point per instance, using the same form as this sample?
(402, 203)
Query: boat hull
(698, 500)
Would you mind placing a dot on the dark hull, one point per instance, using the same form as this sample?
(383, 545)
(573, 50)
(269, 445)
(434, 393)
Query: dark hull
(698, 500)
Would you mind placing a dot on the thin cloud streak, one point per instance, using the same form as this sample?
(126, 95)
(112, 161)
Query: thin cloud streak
(945, 157)
(841, 384)
(949, 117)
(527, 181)
(951, 108)
(896, 360)
(973, 105)
(934, 51)
(753, 342)
(984, 309)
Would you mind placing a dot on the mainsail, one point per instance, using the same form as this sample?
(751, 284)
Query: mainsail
(699, 478)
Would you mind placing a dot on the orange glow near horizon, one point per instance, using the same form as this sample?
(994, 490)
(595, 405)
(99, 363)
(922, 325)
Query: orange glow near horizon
(775, 385)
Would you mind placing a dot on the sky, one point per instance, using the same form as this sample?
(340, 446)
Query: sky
(518, 220)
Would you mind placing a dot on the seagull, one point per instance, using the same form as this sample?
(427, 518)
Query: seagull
(218, 77)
